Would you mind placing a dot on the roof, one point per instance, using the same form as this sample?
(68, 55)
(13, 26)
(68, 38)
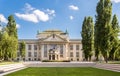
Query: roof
(55, 31)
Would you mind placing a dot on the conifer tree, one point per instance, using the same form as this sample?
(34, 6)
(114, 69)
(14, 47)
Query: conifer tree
(103, 28)
(88, 37)
(114, 38)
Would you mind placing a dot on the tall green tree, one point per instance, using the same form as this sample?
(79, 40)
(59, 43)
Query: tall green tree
(22, 49)
(12, 32)
(1, 52)
(114, 38)
(88, 37)
(11, 27)
(103, 28)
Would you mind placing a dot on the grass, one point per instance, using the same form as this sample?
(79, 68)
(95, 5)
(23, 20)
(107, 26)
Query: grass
(114, 62)
(63, 71)
(7, 62)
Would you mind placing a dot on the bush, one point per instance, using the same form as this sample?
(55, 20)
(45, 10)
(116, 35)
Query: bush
(55, 60)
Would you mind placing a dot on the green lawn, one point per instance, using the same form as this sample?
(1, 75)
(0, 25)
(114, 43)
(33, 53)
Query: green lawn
(114, 62)
(58, 71)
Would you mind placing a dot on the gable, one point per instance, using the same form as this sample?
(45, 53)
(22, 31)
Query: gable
(54, 37)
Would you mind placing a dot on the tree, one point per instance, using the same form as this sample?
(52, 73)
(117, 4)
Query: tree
(1, 52)
(88, 37)
(12, 32)
(11, 27)
(103, 28)
(114, 38)
(22, 49)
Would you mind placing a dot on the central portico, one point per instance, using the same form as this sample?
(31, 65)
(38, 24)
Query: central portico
(54, 44)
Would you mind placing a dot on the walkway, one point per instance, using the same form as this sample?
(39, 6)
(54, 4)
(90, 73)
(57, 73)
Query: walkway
(5, 69)
(112, 67)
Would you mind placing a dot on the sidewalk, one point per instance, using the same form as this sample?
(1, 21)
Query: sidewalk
(112, 67)
(5, 69)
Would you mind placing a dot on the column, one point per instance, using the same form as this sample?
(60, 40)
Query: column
(42, 52)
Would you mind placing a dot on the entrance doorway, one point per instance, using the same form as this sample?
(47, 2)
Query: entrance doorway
(53, 57)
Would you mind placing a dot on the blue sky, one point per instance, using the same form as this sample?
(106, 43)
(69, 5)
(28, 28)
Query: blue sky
(33, 15)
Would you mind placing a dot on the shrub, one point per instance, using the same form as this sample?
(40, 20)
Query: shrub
(55, 60)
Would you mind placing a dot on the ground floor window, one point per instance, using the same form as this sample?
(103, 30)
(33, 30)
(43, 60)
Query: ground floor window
(39, 59)
(77, 54)
(77, 59)
(71, 59)
(61, 55)
(71, 54)
(35, 59)
(24, 59)
(29, 59)
(17, 58)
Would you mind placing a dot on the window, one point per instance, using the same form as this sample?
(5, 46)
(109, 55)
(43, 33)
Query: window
(61, 55)
(29, 54)
(35, 47)
(53, 46)
(71, 54)
(71, 47)
(35, 54)
(17, 58)
(77, 54)
(61, 49)
(29, 47)
(53, 35)
(45, 50)
(39, 47)
(35, 59)
(29, 59)
(77, 59)
(77, 47)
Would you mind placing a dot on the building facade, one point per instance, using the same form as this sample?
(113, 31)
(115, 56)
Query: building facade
(52, 45)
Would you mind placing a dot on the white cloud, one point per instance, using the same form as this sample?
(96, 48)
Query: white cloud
(73, 7)
(51, 12)
(3, 19)
(41, 16)
(35, 15)
(28, 8)
(71, 17)
(17, 26)
(27, 17)
(116, 1)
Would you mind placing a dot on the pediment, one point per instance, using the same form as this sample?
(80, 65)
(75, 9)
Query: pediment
(54, 37)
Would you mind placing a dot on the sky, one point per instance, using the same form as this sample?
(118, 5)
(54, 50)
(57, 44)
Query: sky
(34, 15)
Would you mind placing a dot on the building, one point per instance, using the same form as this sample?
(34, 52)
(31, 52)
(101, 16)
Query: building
(53, 45)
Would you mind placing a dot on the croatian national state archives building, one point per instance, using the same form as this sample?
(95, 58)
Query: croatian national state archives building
(52, 45)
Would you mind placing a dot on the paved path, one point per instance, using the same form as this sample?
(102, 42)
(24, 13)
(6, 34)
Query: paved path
(5, 69)
(112, 67)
